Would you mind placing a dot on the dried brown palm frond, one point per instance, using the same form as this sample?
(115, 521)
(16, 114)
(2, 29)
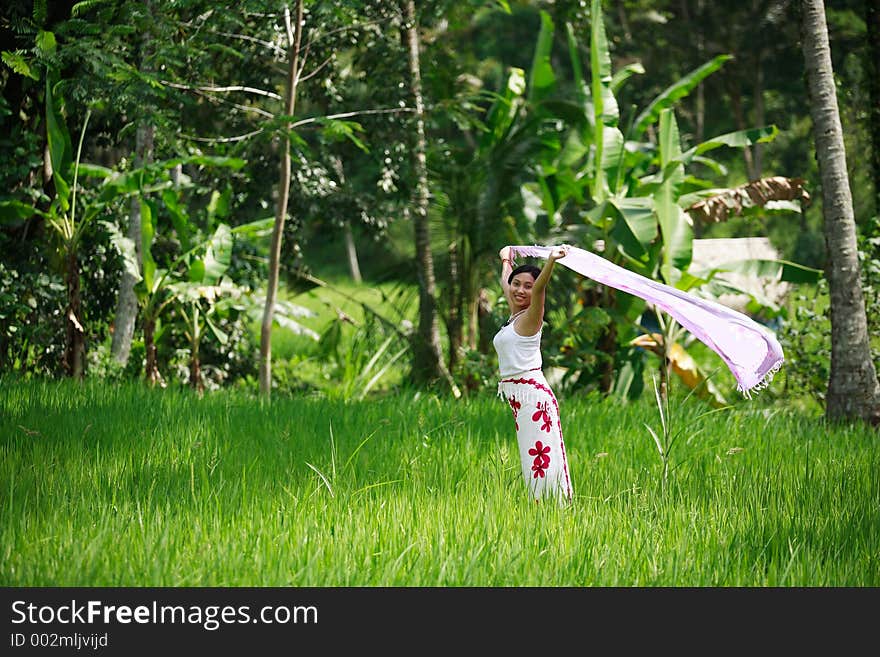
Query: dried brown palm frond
(732, 202)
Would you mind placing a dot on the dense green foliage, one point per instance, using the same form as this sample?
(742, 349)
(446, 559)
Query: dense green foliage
(129, 486)
(515, 146)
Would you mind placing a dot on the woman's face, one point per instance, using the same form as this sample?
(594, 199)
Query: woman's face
(521, 290)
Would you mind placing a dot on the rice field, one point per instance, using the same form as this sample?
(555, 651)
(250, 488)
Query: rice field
(127, 486)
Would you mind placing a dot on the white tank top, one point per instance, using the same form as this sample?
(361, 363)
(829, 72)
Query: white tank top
(517, 353)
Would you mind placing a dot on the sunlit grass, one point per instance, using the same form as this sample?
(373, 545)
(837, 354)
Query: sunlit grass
(342, 298)
(127, 486)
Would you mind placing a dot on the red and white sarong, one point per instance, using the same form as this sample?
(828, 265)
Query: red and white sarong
(538, 434)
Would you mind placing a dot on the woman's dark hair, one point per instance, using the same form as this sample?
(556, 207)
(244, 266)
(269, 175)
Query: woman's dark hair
(531, 269)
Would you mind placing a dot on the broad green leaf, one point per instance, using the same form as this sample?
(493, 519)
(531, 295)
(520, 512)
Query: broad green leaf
(780, 270)
(255, 229)
(605, 105)
(675, 224)
(675, 92)
(670, 140)
(179, 217)
(60, 149)
(541, 77)
(580, 85)
(94, 170)
(14, 212)
(121, 184)
(628, 244)
(601, 215)
(202, 160)
(600, 57)
(629, 377)
(613, 156)
(757, 303)
(46, 42)
(677, 233)
(221, 336)
(218, 205)
(689, 280)
(549, 196)
(606, 110)
(638, 215)
(573, 151)
(716, 167)
(148, 232)
(504, 109)
(625, 74)
(218, 255)
(196, 273)
(738, 139)
(569, 187)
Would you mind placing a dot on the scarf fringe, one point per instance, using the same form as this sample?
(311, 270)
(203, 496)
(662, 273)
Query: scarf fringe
(526, 392)
(763, 383)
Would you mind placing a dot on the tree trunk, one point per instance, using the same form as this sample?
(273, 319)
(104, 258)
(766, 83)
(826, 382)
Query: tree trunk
(853, 388)
(75, 344)
(351, 251)
(294, 37)
(736, 106)
(127, 303)
(428, 366)
(758, 149)
(195, 363)
(151, 370)
(872, 19)
(473, 320)
(454, 323)
(700, 119)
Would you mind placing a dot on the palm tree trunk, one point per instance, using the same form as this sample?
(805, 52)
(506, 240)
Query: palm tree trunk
(853, 388)
(294, 35)
(428, 366)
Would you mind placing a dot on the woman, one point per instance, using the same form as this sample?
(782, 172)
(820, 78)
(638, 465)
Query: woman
(522, 384)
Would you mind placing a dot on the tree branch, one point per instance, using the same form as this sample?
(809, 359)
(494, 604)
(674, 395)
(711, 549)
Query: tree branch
(222, 140)
(315, 72)
(345, 115)
(251, 90)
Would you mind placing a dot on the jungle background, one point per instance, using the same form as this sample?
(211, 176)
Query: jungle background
(144, 159)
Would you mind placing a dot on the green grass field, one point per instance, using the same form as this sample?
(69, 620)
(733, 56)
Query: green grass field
(125, 486)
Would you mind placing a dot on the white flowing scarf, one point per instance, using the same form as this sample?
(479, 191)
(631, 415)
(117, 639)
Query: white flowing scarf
(750, 350)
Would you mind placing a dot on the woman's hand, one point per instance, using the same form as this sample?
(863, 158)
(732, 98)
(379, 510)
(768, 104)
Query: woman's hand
(504, 253)
(558, 252)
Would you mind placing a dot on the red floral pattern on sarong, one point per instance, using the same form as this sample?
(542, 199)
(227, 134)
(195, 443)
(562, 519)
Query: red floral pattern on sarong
(542, 415)
(514, 406)
(541, 452)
